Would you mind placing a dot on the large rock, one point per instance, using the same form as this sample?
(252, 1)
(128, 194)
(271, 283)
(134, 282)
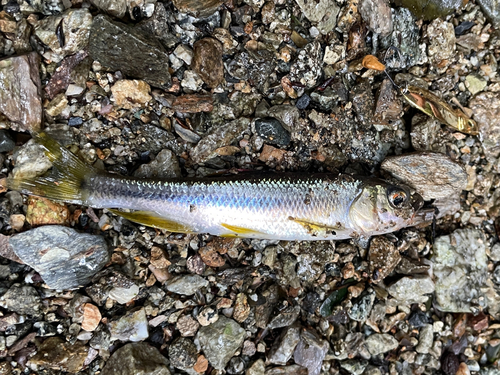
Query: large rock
(323, 13)
(132, 51)
(207, 61)
(61, 355)
(138, 359)
(20, 93)
(64, 258)
(492, 10)
(310, 352)
(461, 273)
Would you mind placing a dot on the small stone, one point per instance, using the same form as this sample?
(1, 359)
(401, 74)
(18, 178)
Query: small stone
(7, 144)
(410, 290)
(124, 295)
(475, 84)
(425, 339)
(362, 307)
(256, 368)
(59, 355)
(378, 16)
(138, 359)
(241, 308)
(217, 137)
(388, 108)
(186, 285)
(491, 10)
(57, 105)
(380, 343)
(285, 318)
(201, 364)
(91, 317)
(207, 61)
(270, 153)
(116, 8)
(486, 109)
(42, 211)
(220, 341)
(16, 222)
(432, 175)
(183, 353)
(283, 348)
(272, 131)
(64, 258)
(322, 13)
(164, 166)
(66, 73)
(208, 316)
(187, 326)
(310, 352)
(307, 68)
(211, 257)
(20, 93)
(131, 94)
(192, 103)
(354, 366)
(22, 300)
(383, 257)
(131, 327)
(197, 8)
(333, 53)
(442, 41)
(249, 348)
(184, 53)
(159, 258)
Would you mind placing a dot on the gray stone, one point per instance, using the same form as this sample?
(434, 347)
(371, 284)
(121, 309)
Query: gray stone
(442, 40)
(310, 352)
(220, 340)
(138, 359)
(288, 370)
(165, 165)
(354, 366)
(20, 93)
(132, 51)
(432, 9)
(116, 8)
(256, 67)
(410, 290)
(22, 300)
(64, 258)
(133, 326)
(282, 350)
(186, 285)
(492, 10)
(256, 368)
(198, 8)
(431, 174)
(425, 339)
(486, 109)
(377, 14)
(380, 343)
(285, 318)
(272, 131)
(218, 136)
(461, 273)
(323, 13)
(183, 353)
(362, 307)
(7, 144)
(46, 7)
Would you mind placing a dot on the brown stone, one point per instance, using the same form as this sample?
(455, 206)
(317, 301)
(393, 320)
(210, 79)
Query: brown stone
(198, 8)
(130, 94)
(91, 317)
(241, 308)
(207, 61)
(270, 153)
(159, 258)
(42, 211)
(62, 76)
(193, 103)
(201, 364)
(383, 257)
(20, 93)
(389, 107)
(211, 257)
(60, 355)
(187, 325)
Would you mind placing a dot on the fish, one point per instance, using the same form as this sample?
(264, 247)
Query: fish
(289, 207)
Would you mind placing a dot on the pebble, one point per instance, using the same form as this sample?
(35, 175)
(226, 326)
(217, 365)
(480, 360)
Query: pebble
(20, 95)
(7, 144)
(362, 307)
(57, 105)
(433, 8)
(183, 353)
(207, 61)
(380, 343)
(410, 290)
(22, 299)
(442, 41)
(256, 368)
(184, 53)
(186, 285)
(475, 84)
(271, 130)
(425, 339)
(491, 10)
(41, 211)
(138, 359)
(461, 272)
(187, 325)
(59, 355)
(285, 318)
(486, 109)
(130, 50)
(197, 8)
(283, 348)
(354, 366)
(427, 134)
(383, 257)
(388, 108)
(124, 295)
(133, 326)
(378, 16)
(241, 308)
(322, 13)
(310, 352)
(115, 8)
(307, 68)
(208, 316)
(68, 73)
(217, 137)
(220, 341)
(432, 175)
(64, 258)
(129, 94)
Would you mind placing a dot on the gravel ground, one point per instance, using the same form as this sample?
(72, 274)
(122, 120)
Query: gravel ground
(195, 87)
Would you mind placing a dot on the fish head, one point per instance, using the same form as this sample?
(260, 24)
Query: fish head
(384, 208)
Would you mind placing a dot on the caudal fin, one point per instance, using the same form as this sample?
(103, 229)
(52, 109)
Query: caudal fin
(66, 181)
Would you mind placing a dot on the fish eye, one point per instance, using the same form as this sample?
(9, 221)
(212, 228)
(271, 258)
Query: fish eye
(398, 198)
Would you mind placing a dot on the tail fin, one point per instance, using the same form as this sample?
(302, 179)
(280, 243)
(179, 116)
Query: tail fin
(66, 182)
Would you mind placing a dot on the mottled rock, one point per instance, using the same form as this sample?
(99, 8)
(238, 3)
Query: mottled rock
(307, 67)
(183, 353)
(187, 326)
(132, 51)
(283, 348)
(64, 258)
(207, 61)
(61, 355)
(492, 11)
(377, 15)
(461, 272)
(272, 131)
(322, 13)
(354, 366)
(20, 95)
(383, 257)
(218, 136)
(41, 211)
(442, 41)
(241, 308)
(198, 8)
(285, 317)
(432, 175)
(219, 341)
(186, 285)
(22, 300)
(138, 359)
(362, 307)
(486, 109)
(91, 317)
(425, 339)
(310, 352)
(427, 134)
(133, 326)
(475, 84)
(432, 9)
(115, 8)
(130, 94)
(410, 290)
(165, 165)
(379, 343)
(255, 66)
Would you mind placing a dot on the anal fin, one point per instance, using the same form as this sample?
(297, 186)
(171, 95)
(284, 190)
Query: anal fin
(152, 219)
(240, 231)
(315, 229)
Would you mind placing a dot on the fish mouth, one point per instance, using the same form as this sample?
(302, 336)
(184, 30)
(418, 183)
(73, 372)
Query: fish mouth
(421, 216)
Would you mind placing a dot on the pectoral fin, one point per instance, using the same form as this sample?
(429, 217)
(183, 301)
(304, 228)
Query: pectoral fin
(315, 229)
(240, 231)
(152, 219)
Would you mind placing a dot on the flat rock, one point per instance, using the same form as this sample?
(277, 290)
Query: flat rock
(378, 15)
(118, 46)
(461, 272)
(310, 352)
(379, 343)
(139, 359)
(323, 13)
(60, 355)
(198, 8)
(133, 326)
(220, 341)
(165, 165)
(186, 285)
(282, 350)
(410, 290)
(22, 300)
(486, 109)
(207, 61)
(20, 93)
(64, 258)
(432, 175)
(432, 9)
(442, 40)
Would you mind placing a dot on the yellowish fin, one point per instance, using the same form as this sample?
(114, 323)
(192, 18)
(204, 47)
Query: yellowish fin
(316, 230)
(151, 219)
(240, 231)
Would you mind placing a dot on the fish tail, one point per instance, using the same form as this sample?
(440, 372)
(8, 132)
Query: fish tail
(65, 183)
